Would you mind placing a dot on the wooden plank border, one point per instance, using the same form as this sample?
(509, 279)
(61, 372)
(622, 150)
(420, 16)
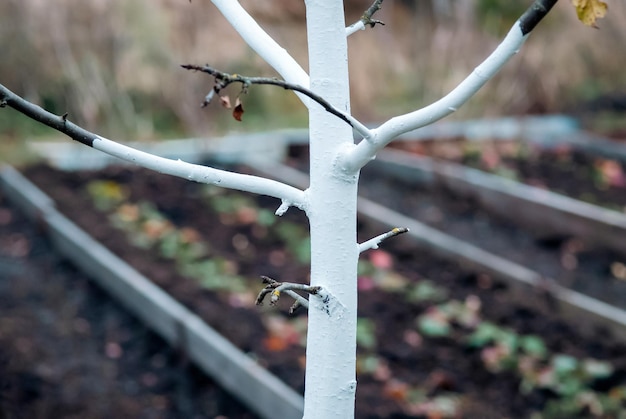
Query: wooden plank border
(237, 373)
(588, 312)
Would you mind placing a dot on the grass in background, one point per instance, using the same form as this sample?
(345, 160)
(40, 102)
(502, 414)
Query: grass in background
(115, 69)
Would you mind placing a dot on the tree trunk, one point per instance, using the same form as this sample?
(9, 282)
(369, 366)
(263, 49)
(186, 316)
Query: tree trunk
(331, 342)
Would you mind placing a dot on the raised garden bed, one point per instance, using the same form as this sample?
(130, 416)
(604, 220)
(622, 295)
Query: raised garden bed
(68, 350)
(579, 169)
(551, 238)
(578, 245)
(433, 337)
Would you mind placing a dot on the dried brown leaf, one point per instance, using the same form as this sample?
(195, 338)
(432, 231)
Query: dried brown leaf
(225, 101)
(238, 110)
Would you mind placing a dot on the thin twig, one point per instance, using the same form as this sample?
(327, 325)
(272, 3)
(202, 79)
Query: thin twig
(363, 153)
(373, 243)
(366, 19)
(289, 195)
(60, 123)
(276, 288)
(533, 15)
(222, 80)
(264, 45)
(367, 16)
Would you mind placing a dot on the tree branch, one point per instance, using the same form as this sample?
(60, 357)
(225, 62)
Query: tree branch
(264, 45)
(289, 195)
(222, 80)
(324, 300)
(510, 45)
(276, 288)
(534, 14)
(366, 19)
(374, 242)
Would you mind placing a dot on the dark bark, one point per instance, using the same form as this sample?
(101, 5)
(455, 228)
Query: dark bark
(59, 123)
(533, 15)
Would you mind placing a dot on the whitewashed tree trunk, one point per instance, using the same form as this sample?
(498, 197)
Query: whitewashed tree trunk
(330, 201)
(331, 343)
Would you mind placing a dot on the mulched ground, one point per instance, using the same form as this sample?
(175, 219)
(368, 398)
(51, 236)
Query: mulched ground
(442, 365)
(570, 261)
(565, 170)
(68, 351)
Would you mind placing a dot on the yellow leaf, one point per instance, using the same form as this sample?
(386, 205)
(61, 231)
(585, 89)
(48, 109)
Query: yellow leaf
(589, 11)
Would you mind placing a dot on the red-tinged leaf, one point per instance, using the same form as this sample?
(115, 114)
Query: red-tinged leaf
(238, 111)
(275, 343)
(589, 11)
(225, 101)
(612, 173)
(396, 390)
(366, 283)
(381, 259)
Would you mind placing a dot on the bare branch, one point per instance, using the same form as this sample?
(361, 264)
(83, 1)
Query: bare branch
(276, 288)
(289, 195)
(222, 80)
(59, 123)
(534, 14)
(324, 301)
(510, 45)
(366, 19)
(374, 242)
(264, 45)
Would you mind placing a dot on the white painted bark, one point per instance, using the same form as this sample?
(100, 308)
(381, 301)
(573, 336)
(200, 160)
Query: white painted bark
(263, 44)
(289, 195)
(330, 202)
(385, 133)
(330, 382)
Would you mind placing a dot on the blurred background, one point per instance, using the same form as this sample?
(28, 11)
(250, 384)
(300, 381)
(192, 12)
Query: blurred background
(114, 65)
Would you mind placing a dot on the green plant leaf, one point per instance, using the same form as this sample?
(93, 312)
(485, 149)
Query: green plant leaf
(106, 194)
(564, 364)
(266, 217)
(169, 245)
(533, 346)
(426, 290)
(390, 281)
(365, 268)
(484, 334)
(597, 369)
(510, 339)
(366, 333)
(367, 364)
(570, 386)
(303, 251)
(434, 326)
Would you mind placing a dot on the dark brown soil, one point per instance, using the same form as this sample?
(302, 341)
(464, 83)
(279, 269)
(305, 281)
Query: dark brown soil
(68, 351)
(437, 366)
(570, 261)
(563, 169)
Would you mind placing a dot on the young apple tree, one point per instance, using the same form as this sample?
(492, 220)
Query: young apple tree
(336, 159)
